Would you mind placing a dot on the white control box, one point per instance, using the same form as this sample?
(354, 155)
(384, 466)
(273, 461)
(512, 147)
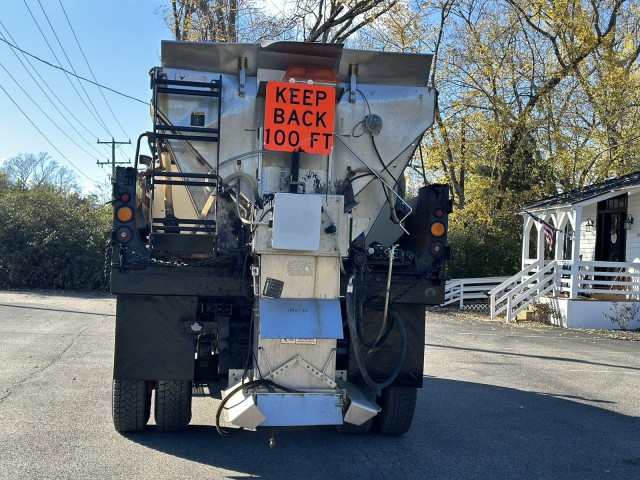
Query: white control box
(296, 222)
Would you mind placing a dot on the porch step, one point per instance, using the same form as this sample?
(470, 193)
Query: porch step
(525, 315)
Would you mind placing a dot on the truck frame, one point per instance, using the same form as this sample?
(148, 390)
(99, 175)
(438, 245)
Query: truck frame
(266, 249)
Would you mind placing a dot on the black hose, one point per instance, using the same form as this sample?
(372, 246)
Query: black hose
(357, 344)
(385, 330)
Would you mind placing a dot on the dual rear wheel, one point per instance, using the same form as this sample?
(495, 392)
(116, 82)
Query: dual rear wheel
(131, 405)
(131, 408)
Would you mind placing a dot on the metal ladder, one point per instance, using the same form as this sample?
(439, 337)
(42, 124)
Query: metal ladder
(168, 231)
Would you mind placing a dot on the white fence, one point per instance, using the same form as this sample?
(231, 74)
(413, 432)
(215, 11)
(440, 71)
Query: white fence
(470, 289)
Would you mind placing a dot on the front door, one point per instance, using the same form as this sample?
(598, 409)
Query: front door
(611, 235)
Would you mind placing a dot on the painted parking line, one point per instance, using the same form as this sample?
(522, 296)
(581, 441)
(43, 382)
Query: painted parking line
(505, 336)
(603, 371)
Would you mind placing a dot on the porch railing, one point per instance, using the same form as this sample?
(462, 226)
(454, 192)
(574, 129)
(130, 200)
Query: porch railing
(617, 278)
(520, 291)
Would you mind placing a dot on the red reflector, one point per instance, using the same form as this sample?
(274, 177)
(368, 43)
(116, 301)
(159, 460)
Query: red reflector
(125, 197)
(124, 235)
(438, 213)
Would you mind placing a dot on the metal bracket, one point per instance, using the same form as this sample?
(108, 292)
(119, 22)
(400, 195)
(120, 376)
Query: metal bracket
(410, 210)
(353, 72)
(255, 276)
(242, 67)
(306, 365)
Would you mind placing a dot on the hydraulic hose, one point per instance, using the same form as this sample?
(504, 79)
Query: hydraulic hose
(357, 344)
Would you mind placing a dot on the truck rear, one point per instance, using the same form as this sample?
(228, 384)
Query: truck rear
(267, 249)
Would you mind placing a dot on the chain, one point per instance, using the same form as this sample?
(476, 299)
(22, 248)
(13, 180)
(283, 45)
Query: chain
(409, 288)
(414, 285)
(175, 263)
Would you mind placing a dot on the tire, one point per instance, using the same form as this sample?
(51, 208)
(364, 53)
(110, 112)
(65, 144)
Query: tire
(398, 406)
(131, 405)
(173, 405)
(351, 429)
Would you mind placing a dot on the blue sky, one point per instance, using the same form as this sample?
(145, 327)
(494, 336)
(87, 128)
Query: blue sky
(121, 42)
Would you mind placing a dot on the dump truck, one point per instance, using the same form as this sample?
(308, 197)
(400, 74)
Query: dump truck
(266, 249)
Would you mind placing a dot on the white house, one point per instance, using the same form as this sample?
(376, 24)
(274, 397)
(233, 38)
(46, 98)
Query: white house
(592, 264)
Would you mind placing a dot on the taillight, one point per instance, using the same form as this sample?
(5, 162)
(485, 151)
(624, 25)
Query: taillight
(124, 214)
(438, 229)
(125, 229)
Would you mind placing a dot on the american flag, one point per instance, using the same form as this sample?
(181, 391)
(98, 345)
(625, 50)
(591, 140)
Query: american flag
(548, 229)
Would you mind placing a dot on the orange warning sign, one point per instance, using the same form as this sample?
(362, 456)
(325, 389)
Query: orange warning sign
(299, 117)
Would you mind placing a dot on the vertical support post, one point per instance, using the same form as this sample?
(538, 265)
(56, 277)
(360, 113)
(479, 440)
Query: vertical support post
(559, 239)
(526, 221)
(540, 247)
(492, 305)
(575, 254)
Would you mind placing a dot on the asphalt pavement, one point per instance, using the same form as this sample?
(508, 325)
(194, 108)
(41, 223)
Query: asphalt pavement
(498, 402)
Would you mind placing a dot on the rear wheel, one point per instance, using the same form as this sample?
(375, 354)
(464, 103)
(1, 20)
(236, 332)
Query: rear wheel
(351, 429)
(131, 405)
(398, 406)
(173, 405)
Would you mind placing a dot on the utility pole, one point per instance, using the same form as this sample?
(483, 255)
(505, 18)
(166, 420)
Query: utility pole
(113, 155)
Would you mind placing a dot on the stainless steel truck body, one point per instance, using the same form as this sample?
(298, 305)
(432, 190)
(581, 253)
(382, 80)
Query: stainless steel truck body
(267, 248)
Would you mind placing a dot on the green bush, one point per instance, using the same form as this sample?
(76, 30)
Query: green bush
(482, 248)
(52, 239)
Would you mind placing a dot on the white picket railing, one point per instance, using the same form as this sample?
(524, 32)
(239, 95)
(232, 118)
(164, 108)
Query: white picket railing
(465, 289)
(526, 287)
(621, 278)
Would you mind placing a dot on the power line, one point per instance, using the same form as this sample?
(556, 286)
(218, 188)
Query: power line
(90, 69)
(71, 73)
(47, 139)
(58, 60)
(97, 114)
(40, 108)
(52, 93)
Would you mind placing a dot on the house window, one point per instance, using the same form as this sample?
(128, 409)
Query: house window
(617, 203)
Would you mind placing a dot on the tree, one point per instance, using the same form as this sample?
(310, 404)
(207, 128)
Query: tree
(327, 21)
(505, 77)
(28, 170)
(203, 20)
(573, 31)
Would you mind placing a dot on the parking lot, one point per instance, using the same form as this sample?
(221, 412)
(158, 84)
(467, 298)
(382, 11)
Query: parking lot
(498, 402)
